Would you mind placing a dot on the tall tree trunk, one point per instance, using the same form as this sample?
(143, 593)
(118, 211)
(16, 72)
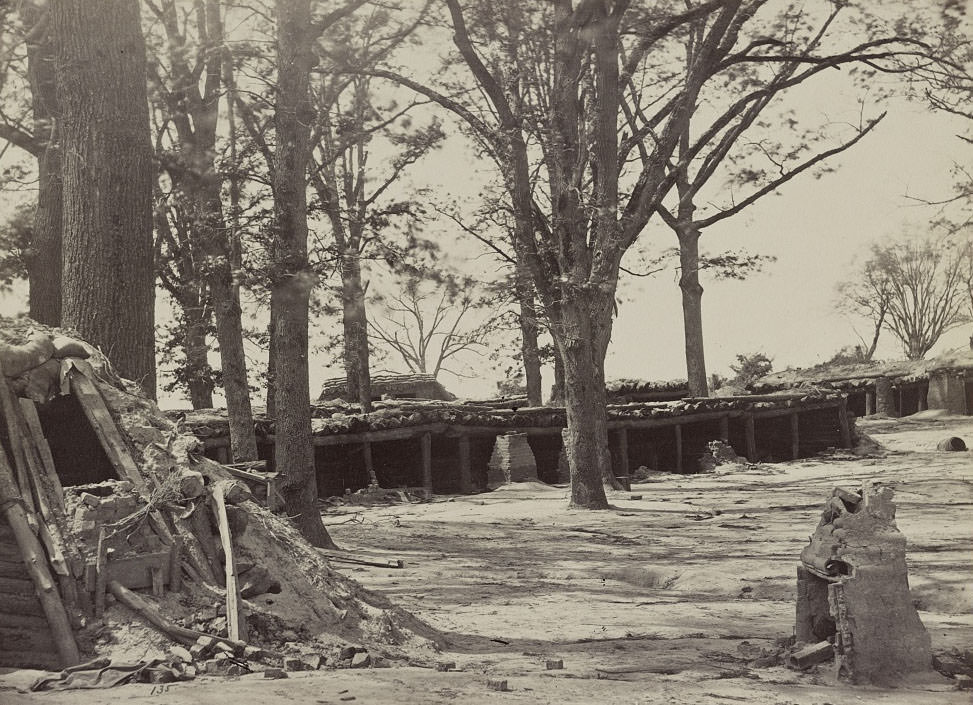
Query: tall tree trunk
(557, 391)
(108, 282)
(582, 349)
(292, 277)
(225, 299)
(528, 335)
(44, 264)
(355, 321)
(692, 309)
(199, 374)
(270, 395)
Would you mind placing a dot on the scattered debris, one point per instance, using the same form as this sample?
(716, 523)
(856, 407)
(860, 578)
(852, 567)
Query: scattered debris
(498, 685)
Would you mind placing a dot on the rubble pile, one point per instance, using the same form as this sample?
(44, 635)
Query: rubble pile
(216, 565)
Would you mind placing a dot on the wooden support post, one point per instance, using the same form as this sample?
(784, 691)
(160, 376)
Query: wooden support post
(749, 428)
(795, 436)
(236, 621)
(725, 429)
(36, 563)
(922, 391)
(425, 442)
(869, 402)
(369, 463)
(678, 431)
(844, 423)
(465, 468)
(619, 453)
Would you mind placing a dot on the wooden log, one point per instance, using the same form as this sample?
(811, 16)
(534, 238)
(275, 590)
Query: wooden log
(236, 622)
(29, 411)
(181, 634)
(425, 444)
(844, 424)
(812, 655)
(869, 402)
(795, 436)
(100, 418)
(35, 562)
(751, 437)
(465, 468)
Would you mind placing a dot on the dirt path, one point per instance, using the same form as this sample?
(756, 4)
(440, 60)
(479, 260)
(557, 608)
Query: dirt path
(671, 598)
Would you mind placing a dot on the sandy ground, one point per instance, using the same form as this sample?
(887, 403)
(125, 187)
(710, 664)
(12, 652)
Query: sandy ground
(671, 598)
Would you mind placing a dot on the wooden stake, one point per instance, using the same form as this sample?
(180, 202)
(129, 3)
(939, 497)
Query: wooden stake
(369, 464)
(236, 622)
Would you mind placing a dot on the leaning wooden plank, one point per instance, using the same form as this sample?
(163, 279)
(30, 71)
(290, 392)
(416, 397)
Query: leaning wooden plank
(32, 461)
(18, 457)
(101, 573)
(98, 415)
(193, 551)
(50, 536)
(236, 622)
(29, 410)
(151, 615)
(33, 555)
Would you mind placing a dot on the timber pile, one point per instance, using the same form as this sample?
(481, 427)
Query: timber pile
(172, 522)
(336, 418)
(418, 385)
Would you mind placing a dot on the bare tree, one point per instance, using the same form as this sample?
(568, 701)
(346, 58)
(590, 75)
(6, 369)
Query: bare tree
(917, 288)
(429, 328)
(554, 79)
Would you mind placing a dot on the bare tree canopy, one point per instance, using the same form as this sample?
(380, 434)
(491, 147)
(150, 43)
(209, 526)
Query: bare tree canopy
(916, 289)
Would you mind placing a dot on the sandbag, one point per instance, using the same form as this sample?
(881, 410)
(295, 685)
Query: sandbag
(17, 359)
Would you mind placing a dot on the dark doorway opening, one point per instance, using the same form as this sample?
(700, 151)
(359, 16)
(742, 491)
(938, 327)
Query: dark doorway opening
(79, 457)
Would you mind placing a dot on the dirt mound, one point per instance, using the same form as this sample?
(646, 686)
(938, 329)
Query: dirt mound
(314, 603)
